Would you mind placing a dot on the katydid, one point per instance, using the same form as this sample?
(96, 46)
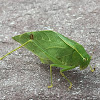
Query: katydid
(54, 49)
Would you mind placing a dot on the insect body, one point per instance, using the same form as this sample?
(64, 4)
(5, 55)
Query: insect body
(54, 49)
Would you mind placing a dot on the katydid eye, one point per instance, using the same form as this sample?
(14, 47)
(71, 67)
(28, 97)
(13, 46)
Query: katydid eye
(84, 59)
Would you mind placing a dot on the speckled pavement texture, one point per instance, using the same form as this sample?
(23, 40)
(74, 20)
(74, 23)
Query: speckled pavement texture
(22, 76)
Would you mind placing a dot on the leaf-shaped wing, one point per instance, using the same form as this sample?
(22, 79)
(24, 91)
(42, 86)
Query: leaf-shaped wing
(51, 46)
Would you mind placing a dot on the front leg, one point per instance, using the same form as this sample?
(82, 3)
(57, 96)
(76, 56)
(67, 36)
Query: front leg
(92, 69)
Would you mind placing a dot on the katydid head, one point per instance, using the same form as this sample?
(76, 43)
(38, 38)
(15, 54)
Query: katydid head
(85, 62)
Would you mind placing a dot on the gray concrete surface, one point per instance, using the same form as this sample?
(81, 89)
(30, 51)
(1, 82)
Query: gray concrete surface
(22, 76)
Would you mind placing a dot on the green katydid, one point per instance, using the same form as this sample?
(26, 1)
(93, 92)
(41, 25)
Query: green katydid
(54, 49)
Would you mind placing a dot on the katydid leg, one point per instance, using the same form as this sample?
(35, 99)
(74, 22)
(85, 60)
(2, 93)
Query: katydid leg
(92, 69)
(15, 49)
(51, 76)
(61, 72)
